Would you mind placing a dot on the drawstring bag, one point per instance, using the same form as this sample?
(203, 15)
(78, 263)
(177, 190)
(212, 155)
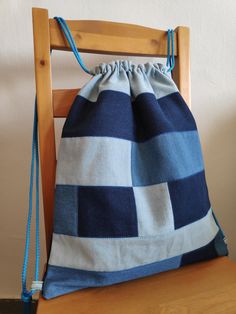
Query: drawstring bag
(131, 198)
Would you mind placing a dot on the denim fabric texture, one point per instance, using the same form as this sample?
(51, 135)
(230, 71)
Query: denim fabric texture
(131, 197)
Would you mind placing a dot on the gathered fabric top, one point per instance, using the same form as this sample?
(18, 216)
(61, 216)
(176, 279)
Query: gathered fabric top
(129, 78)
(129, 66)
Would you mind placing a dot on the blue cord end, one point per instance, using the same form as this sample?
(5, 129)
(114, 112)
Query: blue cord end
(170, 62)
(26, 297)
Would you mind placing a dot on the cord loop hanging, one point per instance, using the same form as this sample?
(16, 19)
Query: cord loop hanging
(71, 42)
(26, 295)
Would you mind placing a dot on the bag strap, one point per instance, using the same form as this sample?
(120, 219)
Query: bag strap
(70, 39)
(26, 295)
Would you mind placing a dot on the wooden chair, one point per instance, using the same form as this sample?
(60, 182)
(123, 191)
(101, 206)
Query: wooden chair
(207, 287)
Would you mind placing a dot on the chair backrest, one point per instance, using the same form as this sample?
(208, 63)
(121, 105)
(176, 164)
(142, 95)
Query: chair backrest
(92, 37)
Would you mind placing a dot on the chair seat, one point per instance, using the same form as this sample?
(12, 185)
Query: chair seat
(206, 287)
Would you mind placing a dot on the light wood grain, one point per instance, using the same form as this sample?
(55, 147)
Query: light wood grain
(62, 100)
(45, 115)
(181, 71)
(111, 38)
(206, 287)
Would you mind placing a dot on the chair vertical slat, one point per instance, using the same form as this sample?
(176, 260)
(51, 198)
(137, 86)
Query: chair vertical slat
(62, 101)
(181, 71)
(45, 115)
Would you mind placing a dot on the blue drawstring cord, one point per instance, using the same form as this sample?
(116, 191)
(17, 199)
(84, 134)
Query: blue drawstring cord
(26, 295)
(170, 62)
(71, 42)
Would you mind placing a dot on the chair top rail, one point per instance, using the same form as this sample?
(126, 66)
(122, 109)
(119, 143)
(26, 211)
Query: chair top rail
(104, 37)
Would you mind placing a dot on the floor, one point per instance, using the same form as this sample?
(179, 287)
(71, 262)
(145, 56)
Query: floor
(16, 307)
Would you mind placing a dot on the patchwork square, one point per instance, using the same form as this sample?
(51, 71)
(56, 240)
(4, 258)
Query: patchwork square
(107, 212)
(154, 117)
(167, 157)
(203, 253)
(66, 210)
(117, 121)
(189, 198)
(154, 210)
(94, 161)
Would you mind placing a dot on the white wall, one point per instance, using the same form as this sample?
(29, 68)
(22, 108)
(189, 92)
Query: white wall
(213, 46)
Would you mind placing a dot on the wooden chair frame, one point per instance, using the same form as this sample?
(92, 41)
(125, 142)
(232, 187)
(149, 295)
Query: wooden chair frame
(196, 288)
(92, 37)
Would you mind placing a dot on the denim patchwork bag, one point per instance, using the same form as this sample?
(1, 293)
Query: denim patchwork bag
(131, 198)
